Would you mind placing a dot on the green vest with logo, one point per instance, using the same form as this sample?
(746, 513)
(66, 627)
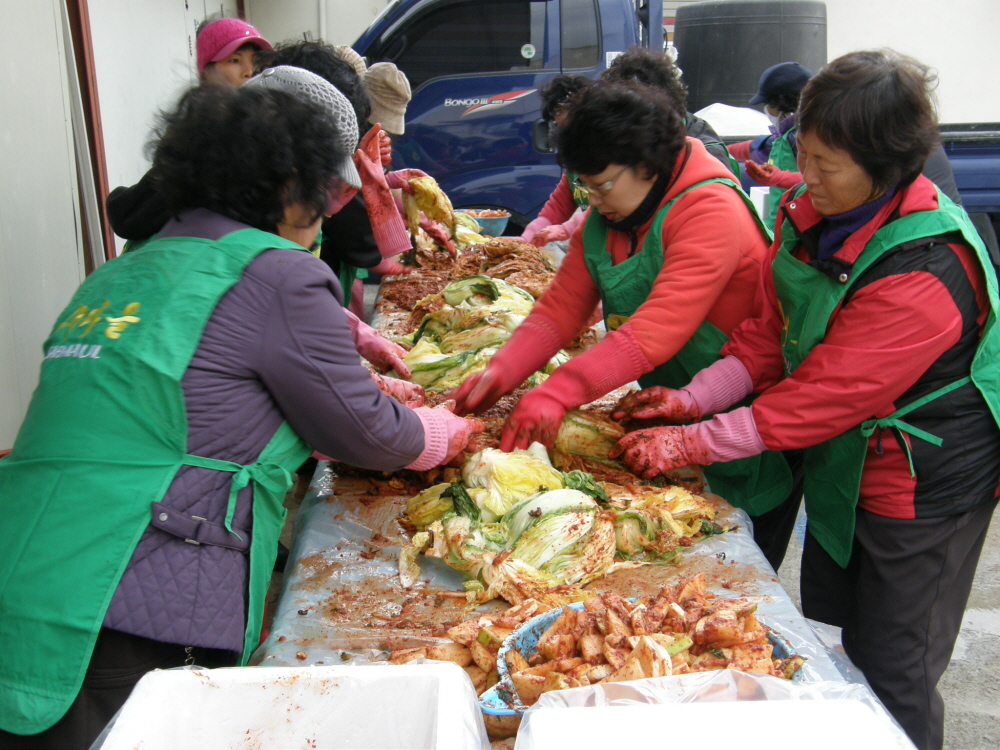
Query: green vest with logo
(783, 158)
(104, 436)
(808, 298)
(756, 484)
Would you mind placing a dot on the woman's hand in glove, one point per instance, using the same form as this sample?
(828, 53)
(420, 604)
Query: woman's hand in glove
(381, 352)
(389, 267)
(439, 233)
(553, 233)
(770, 176)
(406, 393)
(674, 406)
(649, 453)
(460, 430)
(400, 179)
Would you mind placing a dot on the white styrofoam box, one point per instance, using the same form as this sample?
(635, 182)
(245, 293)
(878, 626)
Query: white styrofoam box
(751, 725)
(761, 199)
(373, 707)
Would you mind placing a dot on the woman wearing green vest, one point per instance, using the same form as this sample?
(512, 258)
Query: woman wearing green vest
(180, 389)
(770, 159)
(672, 249)
(875, 349)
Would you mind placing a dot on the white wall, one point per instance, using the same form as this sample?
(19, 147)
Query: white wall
(144, 54)
(41, 260)
(959, 38)
(334, 21)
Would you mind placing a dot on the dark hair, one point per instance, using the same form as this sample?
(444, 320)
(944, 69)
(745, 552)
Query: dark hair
(322, 59)
(557, 93)
(620, 123)
(876, 106)
(785, 102)
(245, 153)
(643, 65)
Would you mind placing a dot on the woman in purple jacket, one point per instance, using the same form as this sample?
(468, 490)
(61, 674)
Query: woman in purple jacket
(180, 389)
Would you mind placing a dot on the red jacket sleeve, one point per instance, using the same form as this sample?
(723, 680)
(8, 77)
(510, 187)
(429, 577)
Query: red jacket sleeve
(572, 295)
(740, 151)
(560, 205)
(877, 346)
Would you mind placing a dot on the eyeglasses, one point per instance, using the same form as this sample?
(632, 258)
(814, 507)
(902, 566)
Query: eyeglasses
(599, 190)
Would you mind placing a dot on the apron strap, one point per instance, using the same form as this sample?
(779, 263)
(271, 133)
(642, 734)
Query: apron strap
(269, 474)
(894, 420)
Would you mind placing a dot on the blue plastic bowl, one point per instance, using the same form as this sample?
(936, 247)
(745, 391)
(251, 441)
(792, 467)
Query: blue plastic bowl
(489, 227)
(502, 698)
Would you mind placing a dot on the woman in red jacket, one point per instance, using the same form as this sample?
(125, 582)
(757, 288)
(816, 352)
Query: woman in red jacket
(874, 348)
(673, 250)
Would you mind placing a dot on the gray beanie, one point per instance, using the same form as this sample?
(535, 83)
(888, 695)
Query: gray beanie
(315, 89)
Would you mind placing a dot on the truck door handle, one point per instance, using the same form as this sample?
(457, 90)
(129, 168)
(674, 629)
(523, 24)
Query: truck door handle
(540, 137)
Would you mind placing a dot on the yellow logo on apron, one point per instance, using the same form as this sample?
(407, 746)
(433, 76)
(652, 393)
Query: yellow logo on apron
(617, 321)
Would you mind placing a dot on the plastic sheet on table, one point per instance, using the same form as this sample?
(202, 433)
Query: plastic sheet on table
(866, 719)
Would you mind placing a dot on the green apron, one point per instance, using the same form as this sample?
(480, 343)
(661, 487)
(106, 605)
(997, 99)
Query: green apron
(756, 484)
(104, 436)
(807, 299)
(580, 196)
(783, 158)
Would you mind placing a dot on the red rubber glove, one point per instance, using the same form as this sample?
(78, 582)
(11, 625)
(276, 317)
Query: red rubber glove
(649, 453)
(548, 234)
(384, 146)
(711, 390)
(408, 394)
(612, 363)
(770, 176)
(370, 344)
(445, 435)
(725, 437)
(387, 225)
(439, 233)
(400, 179)
(677, 407)
(530, 346)
(389, 267)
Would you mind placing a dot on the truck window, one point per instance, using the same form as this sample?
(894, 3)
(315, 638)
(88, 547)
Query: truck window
(470, 37)
(580, 34)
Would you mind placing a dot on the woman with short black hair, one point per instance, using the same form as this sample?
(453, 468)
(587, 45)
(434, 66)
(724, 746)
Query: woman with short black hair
(875, 349)
(181, 388)
(672, 248)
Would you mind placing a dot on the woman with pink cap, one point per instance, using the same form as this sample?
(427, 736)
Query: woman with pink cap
(226, 48)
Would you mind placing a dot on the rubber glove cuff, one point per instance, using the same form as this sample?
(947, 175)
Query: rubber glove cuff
(720, 385)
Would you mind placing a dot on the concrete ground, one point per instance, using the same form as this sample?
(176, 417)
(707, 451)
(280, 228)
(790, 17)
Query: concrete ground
(971, 685)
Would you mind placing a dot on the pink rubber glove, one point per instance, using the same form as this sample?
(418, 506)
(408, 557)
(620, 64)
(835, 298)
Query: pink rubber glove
(612, 363)
(379, 351)
(387, 225)
(714, 389)
(400, 179)
(389, 267)
(445, 435)
(438, 233)
(338, 196)
(770, 176)
(407, 393)
(530, 346)
(533, 228)
(726, 437)
(548, 234)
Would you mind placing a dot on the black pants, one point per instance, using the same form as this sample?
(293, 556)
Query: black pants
(772, 530)
(900, 602)
(119, 661)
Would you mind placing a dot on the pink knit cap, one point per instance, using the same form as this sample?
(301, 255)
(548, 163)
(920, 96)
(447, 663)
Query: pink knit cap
(221, 38)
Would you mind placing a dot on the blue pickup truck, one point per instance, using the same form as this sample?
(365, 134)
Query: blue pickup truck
(475, 67)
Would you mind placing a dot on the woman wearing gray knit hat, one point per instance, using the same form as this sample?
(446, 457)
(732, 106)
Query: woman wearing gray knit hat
(315, 89)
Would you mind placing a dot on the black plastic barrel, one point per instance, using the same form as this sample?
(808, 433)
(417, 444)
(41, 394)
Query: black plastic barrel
(724, 45)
